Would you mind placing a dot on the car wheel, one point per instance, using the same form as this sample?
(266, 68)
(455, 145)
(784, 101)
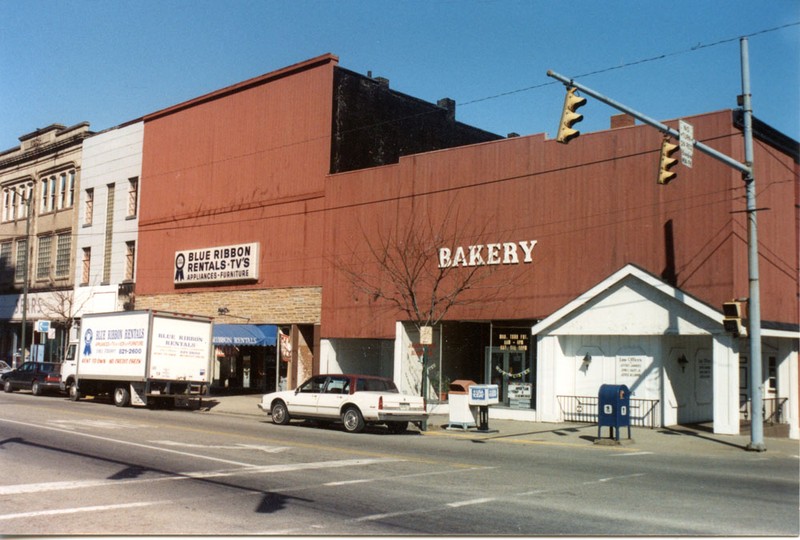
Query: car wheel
(74, 393)
(353, 420)
(121, 396)
(397, 427)
(7, 387)
(280, 415)
(36, 390)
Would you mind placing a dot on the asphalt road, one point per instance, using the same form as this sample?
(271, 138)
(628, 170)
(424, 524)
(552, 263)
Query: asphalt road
(91, 468)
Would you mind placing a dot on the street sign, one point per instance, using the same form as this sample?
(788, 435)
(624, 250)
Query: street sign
(686, 131)
(426, 335)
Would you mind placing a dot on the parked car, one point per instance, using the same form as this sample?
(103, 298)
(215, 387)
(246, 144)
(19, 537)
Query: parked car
(354, 400)
(4, 367)
(38, 377)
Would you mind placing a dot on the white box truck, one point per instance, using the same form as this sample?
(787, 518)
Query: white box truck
(140, 357)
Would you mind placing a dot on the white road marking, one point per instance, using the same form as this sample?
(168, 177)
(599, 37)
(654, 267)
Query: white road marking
(46, 487)
(267, 449)
(611, 478)
(633, 454)
(102, 424)
(128, 443)
(346, 482)
(459, 504)
(534, 492)
(376, 517)
(470, 502)
(61, 511)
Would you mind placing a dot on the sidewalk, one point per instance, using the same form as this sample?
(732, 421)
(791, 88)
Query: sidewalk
(674, 439)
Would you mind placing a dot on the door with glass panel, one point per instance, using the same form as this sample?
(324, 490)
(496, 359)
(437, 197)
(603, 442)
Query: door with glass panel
(511, 372)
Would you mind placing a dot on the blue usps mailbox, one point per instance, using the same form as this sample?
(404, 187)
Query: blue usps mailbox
(614, 409)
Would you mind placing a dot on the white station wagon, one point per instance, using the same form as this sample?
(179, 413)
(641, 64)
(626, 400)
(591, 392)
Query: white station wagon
(354, 400)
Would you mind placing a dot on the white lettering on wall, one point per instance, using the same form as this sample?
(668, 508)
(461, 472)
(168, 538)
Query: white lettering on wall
(489, 254)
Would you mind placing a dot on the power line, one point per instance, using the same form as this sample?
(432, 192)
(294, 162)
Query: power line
(656, 58)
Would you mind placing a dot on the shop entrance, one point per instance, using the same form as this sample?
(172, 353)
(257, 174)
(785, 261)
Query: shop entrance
(511, 372)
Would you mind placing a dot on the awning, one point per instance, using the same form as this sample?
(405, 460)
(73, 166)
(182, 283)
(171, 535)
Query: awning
(245, 334)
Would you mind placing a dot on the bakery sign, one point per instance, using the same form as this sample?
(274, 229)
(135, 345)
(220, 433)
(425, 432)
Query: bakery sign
(214, 264)
(487, 254)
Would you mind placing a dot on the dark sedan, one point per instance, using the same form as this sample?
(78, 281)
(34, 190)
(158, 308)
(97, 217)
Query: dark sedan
(38, 377)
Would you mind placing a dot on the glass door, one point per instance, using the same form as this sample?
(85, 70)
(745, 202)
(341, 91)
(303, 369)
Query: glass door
(512, 374)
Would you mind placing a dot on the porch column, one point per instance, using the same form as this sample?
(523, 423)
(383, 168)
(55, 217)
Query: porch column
(726, 385)
(549, 358)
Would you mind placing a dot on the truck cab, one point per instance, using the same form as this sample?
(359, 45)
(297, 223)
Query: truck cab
(69, 367)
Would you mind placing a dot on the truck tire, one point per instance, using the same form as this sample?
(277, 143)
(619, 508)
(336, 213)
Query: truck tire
(74, 393)
(7, 387)
(36, 390)
(280, 414)
(353, 420)
(122, 396)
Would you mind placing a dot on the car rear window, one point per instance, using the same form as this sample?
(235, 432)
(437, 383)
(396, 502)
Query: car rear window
(375, 385)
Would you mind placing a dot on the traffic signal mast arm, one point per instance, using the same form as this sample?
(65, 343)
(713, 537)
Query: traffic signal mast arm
(741, 167)
(754, 302)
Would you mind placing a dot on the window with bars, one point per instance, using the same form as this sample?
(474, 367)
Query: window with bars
(5, 254)
(88, 210)
(130, 260)
(109, 234)
(5, 259)
(133, 196)
(86, 264)
(62, 255)
(22, 259)
(44, 257)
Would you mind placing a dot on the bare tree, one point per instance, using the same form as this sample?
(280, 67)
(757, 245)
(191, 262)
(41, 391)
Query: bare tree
(399, 269)
(406, 275)
(62, 307)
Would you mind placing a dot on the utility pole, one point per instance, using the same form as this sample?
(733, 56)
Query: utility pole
(27, 203)
(754, 316)
(754, 327)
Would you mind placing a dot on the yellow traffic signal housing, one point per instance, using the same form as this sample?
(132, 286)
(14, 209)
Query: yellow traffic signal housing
(665, 162)
(732, 321)
(569, 116)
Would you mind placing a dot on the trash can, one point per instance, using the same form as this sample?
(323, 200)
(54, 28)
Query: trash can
(613, 409)
(461, 414)
(481, 396)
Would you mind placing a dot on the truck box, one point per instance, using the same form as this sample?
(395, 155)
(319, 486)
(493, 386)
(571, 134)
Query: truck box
(140, 357)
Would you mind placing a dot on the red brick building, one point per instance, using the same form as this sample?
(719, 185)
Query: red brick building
(246, 166)
(586, 271)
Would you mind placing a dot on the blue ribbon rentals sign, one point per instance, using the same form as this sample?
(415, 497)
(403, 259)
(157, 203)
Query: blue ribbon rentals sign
(213, 264)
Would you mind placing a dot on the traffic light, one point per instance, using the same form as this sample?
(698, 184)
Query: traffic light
(732, 321)
(569, 116)
(665, 163)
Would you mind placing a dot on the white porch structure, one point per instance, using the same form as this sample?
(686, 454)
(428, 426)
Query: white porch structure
(665, 345)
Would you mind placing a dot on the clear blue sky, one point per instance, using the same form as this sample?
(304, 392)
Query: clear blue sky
(110, 61)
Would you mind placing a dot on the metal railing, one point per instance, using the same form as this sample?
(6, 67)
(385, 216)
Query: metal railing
(643, 413)
(771, 413)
